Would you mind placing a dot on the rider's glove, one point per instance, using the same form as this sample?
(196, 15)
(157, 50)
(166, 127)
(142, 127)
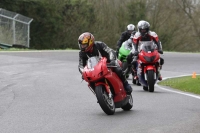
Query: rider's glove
(160, 51)
(112, 62)
(136, 53)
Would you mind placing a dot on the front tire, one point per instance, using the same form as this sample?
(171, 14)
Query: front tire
(150, 80)
(107, 104)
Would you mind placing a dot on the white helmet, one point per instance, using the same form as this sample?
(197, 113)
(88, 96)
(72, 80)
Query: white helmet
(131, 27)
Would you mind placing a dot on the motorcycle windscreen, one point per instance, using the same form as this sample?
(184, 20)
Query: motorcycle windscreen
(92, 62)
(147, 46)
(127, 45)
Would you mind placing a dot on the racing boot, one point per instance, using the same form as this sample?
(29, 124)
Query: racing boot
(134, 70)
(127, 71)
(159, 75)
(127, 87)
(134, 73)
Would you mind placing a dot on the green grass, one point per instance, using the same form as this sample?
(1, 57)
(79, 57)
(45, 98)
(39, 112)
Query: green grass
(187, 84)
(15, 49)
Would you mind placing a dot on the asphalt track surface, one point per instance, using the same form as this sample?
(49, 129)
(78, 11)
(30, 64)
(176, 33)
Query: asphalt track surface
(42, 92)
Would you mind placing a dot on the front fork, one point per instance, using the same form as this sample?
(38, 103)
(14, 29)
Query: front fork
(146, 68)
(145, 76)
(107, 87)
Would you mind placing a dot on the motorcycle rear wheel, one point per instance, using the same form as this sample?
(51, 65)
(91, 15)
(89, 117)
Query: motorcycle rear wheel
(129, 105)
(107, 104)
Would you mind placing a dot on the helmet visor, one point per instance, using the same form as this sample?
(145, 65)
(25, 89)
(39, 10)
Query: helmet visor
(130, 31)
(143, 30)
(84, 45)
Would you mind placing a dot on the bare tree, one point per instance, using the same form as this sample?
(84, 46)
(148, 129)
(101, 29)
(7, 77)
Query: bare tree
(191, 10)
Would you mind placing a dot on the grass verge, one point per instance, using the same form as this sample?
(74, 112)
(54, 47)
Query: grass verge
(15, 49)
(187, 84)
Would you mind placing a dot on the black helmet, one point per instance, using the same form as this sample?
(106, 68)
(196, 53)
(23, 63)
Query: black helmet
(143, 27)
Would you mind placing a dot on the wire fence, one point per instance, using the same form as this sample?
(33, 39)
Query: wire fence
(14, 28)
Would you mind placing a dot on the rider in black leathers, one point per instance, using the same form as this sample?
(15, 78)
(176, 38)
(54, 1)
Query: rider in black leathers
(89, 47)
(125, 36)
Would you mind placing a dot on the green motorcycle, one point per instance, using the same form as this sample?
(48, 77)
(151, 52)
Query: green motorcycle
(124, 51)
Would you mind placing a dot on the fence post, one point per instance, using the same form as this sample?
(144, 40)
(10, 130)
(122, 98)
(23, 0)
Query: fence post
(15, 28)
(29, 32)
(14, 37)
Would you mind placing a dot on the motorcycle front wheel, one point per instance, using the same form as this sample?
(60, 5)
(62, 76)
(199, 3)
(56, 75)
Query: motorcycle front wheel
(150, 80)
(107, 104)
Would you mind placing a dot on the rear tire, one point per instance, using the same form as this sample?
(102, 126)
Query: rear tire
(107, 104)
(129, 105)
(150, 80)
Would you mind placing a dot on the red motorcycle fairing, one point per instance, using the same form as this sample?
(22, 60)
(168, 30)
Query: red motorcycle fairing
(106, 85)
(148, 60)
(100, 72)
(149, 57)
(149, 67)
(116, 83)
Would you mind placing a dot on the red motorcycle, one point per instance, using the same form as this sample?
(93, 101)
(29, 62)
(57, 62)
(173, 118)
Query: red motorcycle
(148, 65)
(106, 85)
